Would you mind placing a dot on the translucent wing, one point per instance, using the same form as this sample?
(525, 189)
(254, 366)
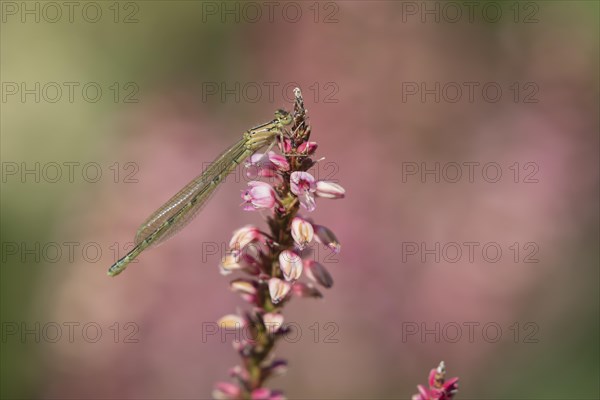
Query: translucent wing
(180, 209)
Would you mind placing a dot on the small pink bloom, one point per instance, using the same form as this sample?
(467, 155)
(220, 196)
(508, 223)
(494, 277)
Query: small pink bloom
(243, 286)
(243, 236)
(235, 261)
(307, 148)
(239, 372)
(259, 165)
(302, 232)
(327, 238)
(226, 391)
(278, 289)
(231, 321)
(303, 185)
(279, 161)
(230, 263)
(246, 288)
(286, 146)
(260, 195)
(278, 367)
(266, 165)
(260, 394)
(273, 321)
(290, 264)
(302, 289)
(317, 272)
(276, 395)
(239, 344)
(329, 190)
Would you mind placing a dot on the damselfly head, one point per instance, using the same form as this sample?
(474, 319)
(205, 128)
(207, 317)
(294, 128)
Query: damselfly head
(283, 117)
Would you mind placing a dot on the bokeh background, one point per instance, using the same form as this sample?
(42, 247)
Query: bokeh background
(179, 83)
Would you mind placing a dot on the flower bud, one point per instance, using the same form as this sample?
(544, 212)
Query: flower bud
(318, 273)
(231, 321)
(329, 190)
(260, 394)
(285, 146)
(243, 236)
(239, 372)
(279, 161)
(302, 289)
(302, 232)
(307, 148)
(277, 367)
(273, 322)
(226, 391)
(278, 289)
(243, 286)
(326, 237)
(230, 263)
(290, 264)
(260, 195)
(277, 395)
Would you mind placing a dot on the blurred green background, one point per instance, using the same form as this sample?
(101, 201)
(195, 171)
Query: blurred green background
(180, 80)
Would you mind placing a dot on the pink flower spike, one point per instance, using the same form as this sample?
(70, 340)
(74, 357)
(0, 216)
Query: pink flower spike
(439, 389)
(290, 264)
(278, 289)
(329, 190)
(302, 232)
(303, 185)
(279, 161)
(317, 272)
(226, 391)
(307, 148)
(260, 195)
(327, 238)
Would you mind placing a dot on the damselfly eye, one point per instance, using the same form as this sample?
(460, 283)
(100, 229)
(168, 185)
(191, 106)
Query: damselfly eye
(283, 117)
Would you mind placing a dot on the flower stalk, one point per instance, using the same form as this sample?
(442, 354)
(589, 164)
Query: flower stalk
(273, 261)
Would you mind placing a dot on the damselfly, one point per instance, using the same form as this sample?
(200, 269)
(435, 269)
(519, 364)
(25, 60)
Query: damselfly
(185, 205)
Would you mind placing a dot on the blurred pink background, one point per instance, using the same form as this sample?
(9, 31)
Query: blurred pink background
(371, 135)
